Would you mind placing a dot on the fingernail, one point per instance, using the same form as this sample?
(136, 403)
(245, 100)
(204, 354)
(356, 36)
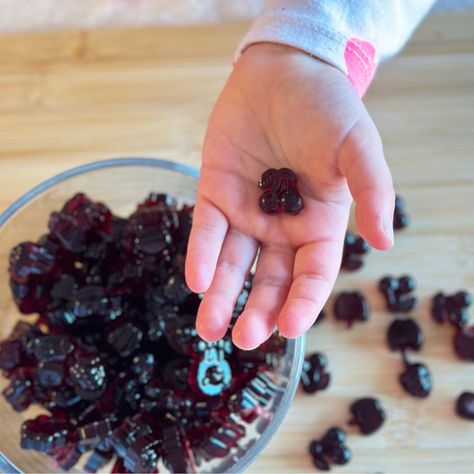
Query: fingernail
(387, 225)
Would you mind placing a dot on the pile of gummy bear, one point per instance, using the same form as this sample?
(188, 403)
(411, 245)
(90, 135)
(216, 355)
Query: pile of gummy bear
(112, 353)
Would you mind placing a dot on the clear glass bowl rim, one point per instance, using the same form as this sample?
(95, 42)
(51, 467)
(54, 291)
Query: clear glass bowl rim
(295, 346)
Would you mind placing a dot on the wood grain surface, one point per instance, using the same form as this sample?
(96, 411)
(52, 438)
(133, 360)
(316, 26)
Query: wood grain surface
(75, 97)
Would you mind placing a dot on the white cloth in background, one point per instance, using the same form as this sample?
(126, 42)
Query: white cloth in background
(29, 15)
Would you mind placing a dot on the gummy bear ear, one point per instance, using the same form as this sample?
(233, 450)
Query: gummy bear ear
(268, 178)
(291, 202)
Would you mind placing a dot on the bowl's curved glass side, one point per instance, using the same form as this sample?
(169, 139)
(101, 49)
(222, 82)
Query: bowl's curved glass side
(94, 166)
(7, 467)
(289, 376)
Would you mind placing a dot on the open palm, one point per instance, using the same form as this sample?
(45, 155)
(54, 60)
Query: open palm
(282, 108)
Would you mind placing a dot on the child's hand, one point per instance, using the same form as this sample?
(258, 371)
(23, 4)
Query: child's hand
(283, 108)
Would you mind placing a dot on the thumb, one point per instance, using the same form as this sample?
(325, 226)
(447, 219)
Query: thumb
(362, 162)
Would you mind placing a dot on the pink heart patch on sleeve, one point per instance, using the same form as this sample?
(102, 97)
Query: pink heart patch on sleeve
(360, 62)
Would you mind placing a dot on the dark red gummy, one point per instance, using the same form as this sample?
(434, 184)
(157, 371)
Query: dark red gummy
(221, 439)
(96, 431)
(50, 374)
(280, 192)
(143, 366)
(351, 307)
(404, 334)
(66, 456)
(159, 199)
(331, 449)
(10, 354)
(398, 293)
(79, 223)
(149, 230)
(125, 339)
(314, 376)
(143, 454)
(45, 433)
(465, 405)
(400, 217)
(52, 347)
(177, 456)
(354, 248)
(128, 432)
(32, 297)
(98, 459)
(258, 392)
(91, 301)
(464, 343)
(31, 261)
(19, 392)
(416, 380)
(368, 414)
(452, 308)
(89, 377)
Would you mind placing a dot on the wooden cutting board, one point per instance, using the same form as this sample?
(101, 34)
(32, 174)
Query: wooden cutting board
(72, 97)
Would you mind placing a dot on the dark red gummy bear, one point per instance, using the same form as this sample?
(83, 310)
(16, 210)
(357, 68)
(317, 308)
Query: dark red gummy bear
(19, 393)
(464, 343)
(416, 380)
(398, 293)
(331, 449)
(32, 297)
(125, 339)
(280, 192)
(400, 217)
(150, 230)
(51, 347)
(221, 439)
(177, 455)
(79, 220)
(143, 454)
(404, 334)
(128, 432)
(66, 456)
(89, 377)
(351, 307)
(98, 459)
(29, 260)
(45, 433)
(368, 414)
(11, 354)
(354, 248)
(465, 405)
(452, 308)
(314, 376)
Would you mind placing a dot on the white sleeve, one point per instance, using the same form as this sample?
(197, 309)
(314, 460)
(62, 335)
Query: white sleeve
(351, 35)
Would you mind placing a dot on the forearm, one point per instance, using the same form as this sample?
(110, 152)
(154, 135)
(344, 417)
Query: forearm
(352, 36)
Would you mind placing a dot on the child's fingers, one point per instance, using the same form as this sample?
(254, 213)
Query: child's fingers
(205, 241)
(237, 255)
(315, 271)
(362, 162)
(269, 290)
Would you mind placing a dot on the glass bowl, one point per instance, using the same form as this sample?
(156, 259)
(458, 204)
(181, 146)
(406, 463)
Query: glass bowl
(120, 183)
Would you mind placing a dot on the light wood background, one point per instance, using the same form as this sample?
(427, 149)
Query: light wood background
(70, 98)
